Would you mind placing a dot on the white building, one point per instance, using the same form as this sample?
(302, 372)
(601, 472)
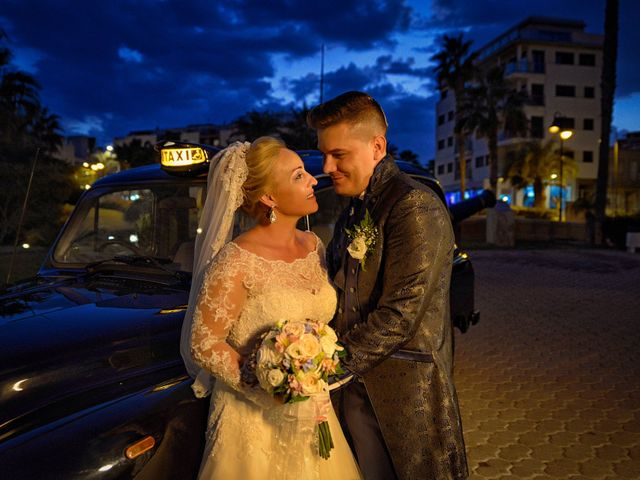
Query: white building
(559, 65)
(203, 133)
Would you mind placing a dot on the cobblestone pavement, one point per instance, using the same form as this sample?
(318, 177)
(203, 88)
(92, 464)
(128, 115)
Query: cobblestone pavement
(549, 380)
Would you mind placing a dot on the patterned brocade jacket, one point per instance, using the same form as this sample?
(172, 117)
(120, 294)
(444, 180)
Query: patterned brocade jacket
(393, 318)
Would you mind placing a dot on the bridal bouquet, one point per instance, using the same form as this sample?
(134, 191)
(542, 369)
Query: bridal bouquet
(294, 362)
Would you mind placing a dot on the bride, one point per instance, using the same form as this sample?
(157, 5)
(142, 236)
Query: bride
(241, 288)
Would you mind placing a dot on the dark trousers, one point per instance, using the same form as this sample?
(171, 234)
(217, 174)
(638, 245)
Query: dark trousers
(361, 429)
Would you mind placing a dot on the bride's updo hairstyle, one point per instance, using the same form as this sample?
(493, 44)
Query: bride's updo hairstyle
(261, 159)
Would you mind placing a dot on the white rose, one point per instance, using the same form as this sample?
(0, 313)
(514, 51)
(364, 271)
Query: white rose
(309, 345)
(295, 329)
(275, 377)
(357, 248)
(311, 383)
(328, 345)
(268, 355)
(263, 379)
(306, 347)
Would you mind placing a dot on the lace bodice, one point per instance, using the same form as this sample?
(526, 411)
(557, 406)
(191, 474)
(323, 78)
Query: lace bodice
(243, 295)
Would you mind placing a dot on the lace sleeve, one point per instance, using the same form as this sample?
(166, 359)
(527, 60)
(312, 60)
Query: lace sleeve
(218, 307)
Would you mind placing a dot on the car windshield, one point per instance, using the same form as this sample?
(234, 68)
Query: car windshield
(158, 221)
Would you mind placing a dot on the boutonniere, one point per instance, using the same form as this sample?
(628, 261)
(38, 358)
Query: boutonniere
(363, 238)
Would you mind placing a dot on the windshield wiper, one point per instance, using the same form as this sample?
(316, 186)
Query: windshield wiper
(140, 261)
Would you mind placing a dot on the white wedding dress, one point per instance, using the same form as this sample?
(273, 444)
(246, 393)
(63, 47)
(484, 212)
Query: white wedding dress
(242, 296)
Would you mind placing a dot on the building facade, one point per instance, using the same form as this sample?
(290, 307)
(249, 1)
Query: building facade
(559, 67)
(207, 134)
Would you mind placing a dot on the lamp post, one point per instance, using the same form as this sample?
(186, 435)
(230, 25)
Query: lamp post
(560, 126)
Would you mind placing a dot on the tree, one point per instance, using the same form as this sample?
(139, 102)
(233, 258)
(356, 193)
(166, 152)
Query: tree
(134, 154)
(28, 131)
(296, 133)
(534, 164)
(256, 124)
(410, 157)
(455, 67)
(608, 88)
(490, 106)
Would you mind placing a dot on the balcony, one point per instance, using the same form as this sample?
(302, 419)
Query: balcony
(523, 66)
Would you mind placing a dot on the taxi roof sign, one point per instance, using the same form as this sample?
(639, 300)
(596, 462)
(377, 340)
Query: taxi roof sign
(181, 157)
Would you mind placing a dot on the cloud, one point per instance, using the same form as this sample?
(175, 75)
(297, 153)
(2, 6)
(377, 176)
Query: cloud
(410, 115)
(141, 64)
(129, 55)
(89, 125)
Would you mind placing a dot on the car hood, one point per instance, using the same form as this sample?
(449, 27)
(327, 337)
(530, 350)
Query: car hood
(44, 296)
(62, 335)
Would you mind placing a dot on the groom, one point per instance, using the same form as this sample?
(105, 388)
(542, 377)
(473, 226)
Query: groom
(390, 259)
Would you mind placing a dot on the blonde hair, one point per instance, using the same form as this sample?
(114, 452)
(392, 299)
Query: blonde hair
(261, 159)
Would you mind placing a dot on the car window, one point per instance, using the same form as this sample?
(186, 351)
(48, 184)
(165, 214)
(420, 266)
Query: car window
(159, 221)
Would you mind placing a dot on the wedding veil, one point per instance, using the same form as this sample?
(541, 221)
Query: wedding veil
(227, 174)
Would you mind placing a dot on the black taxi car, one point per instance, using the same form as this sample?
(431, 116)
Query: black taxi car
(92, 385)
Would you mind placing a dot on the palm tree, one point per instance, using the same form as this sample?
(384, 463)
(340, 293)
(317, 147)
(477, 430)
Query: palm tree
(135, 154)
(490, 106)
(256, 124)
(28, 131)
(608, 85)
(45, 130)
(296, 133)
(455, 67)
(534, 164)
(19, 103)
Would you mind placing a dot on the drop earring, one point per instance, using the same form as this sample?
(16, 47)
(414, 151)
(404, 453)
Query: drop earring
(272, 215)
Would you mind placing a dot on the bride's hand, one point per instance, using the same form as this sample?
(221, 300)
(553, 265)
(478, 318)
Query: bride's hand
(248, 371)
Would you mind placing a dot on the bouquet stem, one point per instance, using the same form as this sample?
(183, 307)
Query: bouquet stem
(325, 442)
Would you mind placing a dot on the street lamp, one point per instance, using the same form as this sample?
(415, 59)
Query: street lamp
(561, 126)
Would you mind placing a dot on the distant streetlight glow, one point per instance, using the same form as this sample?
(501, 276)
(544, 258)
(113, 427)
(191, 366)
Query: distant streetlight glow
(566, 134)
(562, 126)
(26, 246)
(109, 148)
(85, 164)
